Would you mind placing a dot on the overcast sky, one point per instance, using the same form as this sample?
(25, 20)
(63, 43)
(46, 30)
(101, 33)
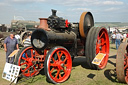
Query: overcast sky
(102, 10)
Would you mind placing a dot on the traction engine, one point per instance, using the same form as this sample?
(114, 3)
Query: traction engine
(57, 42)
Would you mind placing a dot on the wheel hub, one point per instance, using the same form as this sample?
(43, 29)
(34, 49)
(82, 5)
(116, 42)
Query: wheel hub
(31, 61)
(59, 64)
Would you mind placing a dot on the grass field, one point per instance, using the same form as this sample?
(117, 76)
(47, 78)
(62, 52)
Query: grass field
(80, 74)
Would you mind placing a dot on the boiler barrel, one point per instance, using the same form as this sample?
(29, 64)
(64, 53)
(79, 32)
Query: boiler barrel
(42, 39)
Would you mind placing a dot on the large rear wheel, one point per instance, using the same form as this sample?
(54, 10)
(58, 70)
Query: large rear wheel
(97, 42)
(122, 63)
(58, 65)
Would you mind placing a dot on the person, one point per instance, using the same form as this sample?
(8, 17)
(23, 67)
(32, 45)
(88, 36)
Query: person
(118, 39)
(17, 36)
(10, 44)
(124, 37)
(113, 37)
(27, 41)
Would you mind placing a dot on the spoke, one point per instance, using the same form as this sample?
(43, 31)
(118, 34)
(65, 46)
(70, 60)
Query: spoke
(26, 68)
(97, 49)
(59, 56)
(126, 72)
(125, 56)
(52, 70)
(26, 55)
(57, 73)
(53, 64)
(101, 35)
(97, 45)
(31, 53)
(64, 70)
(125, 66)
(23, 63)
(124, 62)
(126, 77)
(102, 43)
(64, 60)
(29, 72)
(125, 59)
(53, 59)
(24, 58)
(66, 65)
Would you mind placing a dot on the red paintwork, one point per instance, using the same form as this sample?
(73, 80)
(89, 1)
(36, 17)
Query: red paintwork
(66, 23)
(61, 67)
(102, 46)
(31, 65)
(126, 66)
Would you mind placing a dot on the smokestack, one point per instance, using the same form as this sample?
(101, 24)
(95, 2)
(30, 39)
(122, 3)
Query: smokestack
(54, 12)
(43, 24)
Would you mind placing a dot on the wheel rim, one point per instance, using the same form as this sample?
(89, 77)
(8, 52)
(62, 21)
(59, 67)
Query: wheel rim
(102, 46)
(28, 62)
(59, 65)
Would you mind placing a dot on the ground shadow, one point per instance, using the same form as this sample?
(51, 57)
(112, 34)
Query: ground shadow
(80, 61)
(113, 56)
(111, 75)
(113, 48)
(42, 72)
(112, 63)
(29, 80)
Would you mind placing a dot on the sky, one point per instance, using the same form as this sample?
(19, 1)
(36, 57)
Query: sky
(102, 10)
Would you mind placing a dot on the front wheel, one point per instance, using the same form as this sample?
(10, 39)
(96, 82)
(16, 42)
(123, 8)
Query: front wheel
(58, 65)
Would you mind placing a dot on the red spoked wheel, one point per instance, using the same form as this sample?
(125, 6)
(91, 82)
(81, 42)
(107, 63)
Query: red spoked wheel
(97, 42)
(29, 61)
(58, 65)
(122, 63)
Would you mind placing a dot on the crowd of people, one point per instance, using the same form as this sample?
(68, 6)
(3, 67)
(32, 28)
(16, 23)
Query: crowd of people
(118, 37)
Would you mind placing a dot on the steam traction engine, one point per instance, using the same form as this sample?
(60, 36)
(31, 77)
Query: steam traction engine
(55, 46)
